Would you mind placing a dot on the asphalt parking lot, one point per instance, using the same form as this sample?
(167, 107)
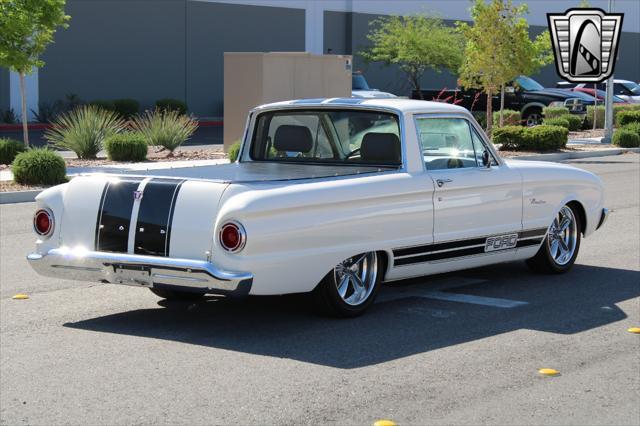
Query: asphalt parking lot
(461, 348)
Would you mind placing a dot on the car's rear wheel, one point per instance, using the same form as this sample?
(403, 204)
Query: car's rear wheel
(351, 287)
(532, 117)
(560, 248)
(184, 296)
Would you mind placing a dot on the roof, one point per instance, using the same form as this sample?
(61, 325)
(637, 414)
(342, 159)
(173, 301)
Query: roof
(402, 104)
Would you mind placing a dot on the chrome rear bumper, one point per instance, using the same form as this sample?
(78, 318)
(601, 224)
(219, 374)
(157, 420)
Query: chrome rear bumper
(603, 218)
(138, 270)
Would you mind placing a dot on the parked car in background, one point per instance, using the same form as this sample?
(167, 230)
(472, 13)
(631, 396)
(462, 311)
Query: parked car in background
(623, 89)
(360, 88)
(317, 205)
(600, 95)
(524, 94)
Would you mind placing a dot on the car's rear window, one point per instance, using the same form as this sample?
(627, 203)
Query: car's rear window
(325, 136)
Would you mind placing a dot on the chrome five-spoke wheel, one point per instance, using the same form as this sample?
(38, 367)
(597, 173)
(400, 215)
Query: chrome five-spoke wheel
(355, 278)
(560, 248)
(563, 235)
(351, 286)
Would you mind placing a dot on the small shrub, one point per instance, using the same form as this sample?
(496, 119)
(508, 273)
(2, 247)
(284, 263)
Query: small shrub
(39, 167)
(627, 117)
(481, 118)
(509, 118)
(553, 112)
(626, 138)
(557, 121)
(84, 130)
(126, 146)
(547, 138)
(510, 137)
(9, 148)
(599, 117)
(575, 122)
(166, 128)
(168, 104)
(127, 108)
(633, 127)
(234, 151)
(537, 138)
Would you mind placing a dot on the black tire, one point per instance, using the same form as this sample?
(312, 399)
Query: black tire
(534, 115)
(544, 262)
(328, 301)
(183, 296)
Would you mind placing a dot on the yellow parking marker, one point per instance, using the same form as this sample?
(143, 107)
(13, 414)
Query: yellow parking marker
(20, 296)
(384, 422)
(635, 330)
(549, 372)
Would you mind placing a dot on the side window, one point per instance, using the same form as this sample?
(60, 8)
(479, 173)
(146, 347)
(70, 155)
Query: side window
(447, 143)
(619, 89)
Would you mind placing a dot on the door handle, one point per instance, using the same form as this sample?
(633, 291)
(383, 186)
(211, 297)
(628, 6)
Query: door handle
(441, 182)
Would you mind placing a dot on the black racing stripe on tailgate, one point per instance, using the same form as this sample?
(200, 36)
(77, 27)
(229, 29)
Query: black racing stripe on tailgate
(114, 216)
(153, 229)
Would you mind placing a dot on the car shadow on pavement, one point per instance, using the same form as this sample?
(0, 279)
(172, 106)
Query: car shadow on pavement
(284, 327)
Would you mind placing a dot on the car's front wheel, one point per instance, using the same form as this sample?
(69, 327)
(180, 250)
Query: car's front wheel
(560, 248)
(351, 287)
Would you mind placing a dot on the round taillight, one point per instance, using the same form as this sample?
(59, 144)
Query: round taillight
(43, 222)
(232, 236)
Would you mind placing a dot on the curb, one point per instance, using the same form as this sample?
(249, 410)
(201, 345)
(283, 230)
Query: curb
(14, 197)
(574, 155)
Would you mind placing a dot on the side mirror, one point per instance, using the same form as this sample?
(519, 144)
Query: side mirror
(486, 159)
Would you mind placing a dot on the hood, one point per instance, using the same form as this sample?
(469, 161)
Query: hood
(562, 94)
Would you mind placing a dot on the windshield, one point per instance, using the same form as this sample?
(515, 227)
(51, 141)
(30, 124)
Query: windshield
(633, 88)
(528, 83)
(358, 82)
(327, 137)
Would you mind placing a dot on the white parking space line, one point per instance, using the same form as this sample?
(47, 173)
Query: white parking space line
(476, 300)
(436, 291)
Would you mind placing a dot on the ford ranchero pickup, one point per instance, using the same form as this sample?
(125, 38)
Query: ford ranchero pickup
(329, 196)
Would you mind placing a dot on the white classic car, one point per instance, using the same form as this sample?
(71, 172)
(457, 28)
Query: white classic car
(328, 196)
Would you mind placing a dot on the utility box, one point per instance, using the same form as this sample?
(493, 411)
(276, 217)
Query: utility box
(252, 79)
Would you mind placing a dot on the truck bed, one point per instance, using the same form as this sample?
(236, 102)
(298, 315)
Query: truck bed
(271, 171)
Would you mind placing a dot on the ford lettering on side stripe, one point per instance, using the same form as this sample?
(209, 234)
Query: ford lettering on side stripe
(501, 242)
(454, 250)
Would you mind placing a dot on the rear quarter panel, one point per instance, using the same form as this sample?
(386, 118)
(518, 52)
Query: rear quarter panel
(297, 232)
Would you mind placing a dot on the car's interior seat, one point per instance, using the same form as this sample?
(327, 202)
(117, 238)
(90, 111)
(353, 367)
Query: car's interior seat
(380, 148)
(291, 138)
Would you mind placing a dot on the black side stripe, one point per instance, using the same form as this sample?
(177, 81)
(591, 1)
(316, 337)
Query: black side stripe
(153, 228)
(434, 252)
(114, 215)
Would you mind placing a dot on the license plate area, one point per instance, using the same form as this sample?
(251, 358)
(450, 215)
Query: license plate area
(132, 275)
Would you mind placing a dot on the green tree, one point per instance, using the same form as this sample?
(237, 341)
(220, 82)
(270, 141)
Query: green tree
(414, 43)
(26, 28)
(498, 49)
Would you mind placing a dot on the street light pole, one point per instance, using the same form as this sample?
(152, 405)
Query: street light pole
(608, 113)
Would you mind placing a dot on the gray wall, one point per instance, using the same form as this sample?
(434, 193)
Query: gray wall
(215, 28)
(4, 89)
(147, 50)
(345, 33)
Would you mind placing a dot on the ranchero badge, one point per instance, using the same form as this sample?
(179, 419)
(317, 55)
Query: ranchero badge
(501, 242)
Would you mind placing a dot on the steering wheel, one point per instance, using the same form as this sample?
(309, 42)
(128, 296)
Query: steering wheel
(352, 153)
